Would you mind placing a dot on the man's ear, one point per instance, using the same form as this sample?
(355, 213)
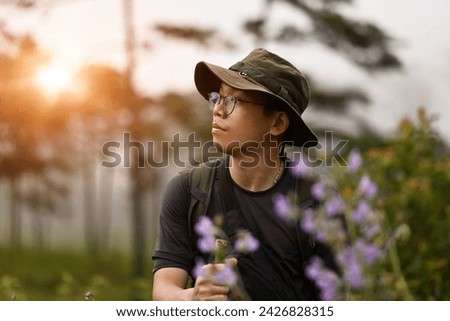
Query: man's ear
(280, 123)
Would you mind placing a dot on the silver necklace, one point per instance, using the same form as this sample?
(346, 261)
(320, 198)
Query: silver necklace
(279, 172)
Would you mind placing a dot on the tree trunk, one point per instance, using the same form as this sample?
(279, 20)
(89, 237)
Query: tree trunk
(89, 193)
(107, 198)
(139, 222)
(138, 218)
(16, 222)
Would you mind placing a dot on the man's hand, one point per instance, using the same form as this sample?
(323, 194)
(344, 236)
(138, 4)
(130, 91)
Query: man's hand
(207, 288)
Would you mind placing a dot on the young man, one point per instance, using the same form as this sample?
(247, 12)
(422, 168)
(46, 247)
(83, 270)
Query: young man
(257, 105)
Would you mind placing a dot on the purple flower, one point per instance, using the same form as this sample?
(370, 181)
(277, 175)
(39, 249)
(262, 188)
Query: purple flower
(370, 252)
(321, 236)
(226, 276)
(281, 206)
(325, 279)
(300, 169)
(246, 243)
(352, 270)
(367, 187)
(198, 268)
(307, 222)
(361, 212)
(205, 230)
(354, 276)
(328, 286)
(318, 191)
(204, 226)
(314, 268)
(354, 160)
(334, 206)
(370, 230)
(206, 243)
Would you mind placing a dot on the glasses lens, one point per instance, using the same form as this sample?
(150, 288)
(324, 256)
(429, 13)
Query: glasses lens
(214, 99)
(228, 104)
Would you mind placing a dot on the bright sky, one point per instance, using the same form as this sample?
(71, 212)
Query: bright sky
(92, 31)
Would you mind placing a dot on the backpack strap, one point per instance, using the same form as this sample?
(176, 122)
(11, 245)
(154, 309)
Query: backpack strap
(201, 179)
(304, 200)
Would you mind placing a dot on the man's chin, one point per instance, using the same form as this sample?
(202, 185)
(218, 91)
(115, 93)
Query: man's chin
(220, 148)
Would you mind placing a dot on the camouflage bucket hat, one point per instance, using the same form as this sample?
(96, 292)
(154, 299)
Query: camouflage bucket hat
(268, 73)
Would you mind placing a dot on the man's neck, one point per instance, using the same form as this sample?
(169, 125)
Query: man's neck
(255, 173)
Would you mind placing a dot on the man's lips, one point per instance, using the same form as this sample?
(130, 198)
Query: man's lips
(217, 126)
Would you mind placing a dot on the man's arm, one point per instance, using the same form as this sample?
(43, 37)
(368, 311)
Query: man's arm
(169, 284)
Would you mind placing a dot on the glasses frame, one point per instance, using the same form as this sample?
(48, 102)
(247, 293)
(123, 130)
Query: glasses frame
(226, 101)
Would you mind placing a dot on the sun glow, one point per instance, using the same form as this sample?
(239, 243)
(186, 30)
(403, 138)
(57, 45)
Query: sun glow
(53, 79)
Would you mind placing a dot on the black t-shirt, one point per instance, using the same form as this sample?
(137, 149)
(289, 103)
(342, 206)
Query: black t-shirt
(273, 272)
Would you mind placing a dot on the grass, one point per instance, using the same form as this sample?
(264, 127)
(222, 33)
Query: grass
(57, 275)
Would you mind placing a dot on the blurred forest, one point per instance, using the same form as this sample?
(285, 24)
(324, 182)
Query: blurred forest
(72, 229)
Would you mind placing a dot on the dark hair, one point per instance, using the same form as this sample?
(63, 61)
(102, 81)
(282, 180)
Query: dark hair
(271, 105)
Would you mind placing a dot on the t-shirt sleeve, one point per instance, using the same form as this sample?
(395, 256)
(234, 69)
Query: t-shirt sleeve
(174, 247)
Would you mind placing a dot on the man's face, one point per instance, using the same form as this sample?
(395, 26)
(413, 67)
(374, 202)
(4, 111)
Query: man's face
(245, 127)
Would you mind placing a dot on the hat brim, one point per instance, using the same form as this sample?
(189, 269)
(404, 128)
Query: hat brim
(209, 77)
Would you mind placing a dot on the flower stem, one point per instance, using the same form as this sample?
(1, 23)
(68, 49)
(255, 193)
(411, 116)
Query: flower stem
(220, 251)
(403, 286)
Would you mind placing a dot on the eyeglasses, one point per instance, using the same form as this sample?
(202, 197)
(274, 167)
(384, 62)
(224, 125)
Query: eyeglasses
(229, 102)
